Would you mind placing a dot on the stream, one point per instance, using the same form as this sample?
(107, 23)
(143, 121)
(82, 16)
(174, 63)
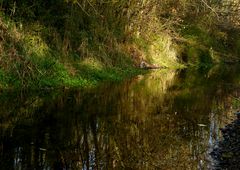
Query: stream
(166, 119)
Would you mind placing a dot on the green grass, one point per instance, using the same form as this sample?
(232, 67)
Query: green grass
(29, 61)
(205, 47)
(51, 73)
(34, 55)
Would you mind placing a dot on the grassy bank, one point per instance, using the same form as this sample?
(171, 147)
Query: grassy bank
(204, 46)
(82, 43)
(29, 60)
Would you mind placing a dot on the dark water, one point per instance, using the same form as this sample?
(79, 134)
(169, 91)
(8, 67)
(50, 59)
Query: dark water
(163, 120)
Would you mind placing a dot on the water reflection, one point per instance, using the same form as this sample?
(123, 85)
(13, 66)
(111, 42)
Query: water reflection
(163, 120)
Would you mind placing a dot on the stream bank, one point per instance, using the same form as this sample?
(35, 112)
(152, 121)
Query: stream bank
(226, 153)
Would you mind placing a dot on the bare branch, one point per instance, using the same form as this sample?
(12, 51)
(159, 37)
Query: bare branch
(210, 8)
(82, 8)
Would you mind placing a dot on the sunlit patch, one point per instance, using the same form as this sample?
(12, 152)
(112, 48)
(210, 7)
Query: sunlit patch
(34, 45)
(163, 52)
(93, 63)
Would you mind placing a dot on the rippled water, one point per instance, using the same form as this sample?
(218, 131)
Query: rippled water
(162, 120)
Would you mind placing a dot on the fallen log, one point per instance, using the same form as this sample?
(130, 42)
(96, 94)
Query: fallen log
(145, 65)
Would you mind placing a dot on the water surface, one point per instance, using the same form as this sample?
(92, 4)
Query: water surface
(162, 120)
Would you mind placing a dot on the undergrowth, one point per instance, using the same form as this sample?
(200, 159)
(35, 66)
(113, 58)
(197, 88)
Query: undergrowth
(208, 46)
(28, 61)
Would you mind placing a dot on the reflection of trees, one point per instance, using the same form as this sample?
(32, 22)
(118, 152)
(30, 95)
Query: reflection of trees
(146, 123)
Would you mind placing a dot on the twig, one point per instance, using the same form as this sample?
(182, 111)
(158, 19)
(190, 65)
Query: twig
(92, 7)
(82, 8)
(210, 8)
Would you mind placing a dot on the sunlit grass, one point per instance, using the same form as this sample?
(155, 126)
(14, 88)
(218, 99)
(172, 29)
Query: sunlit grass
(92, 62)
(34, 45)
(27, 61)
(31, 61)
(159, 50)
(162, 51)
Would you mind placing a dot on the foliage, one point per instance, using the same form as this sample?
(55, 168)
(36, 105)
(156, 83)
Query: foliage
(50, 43)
